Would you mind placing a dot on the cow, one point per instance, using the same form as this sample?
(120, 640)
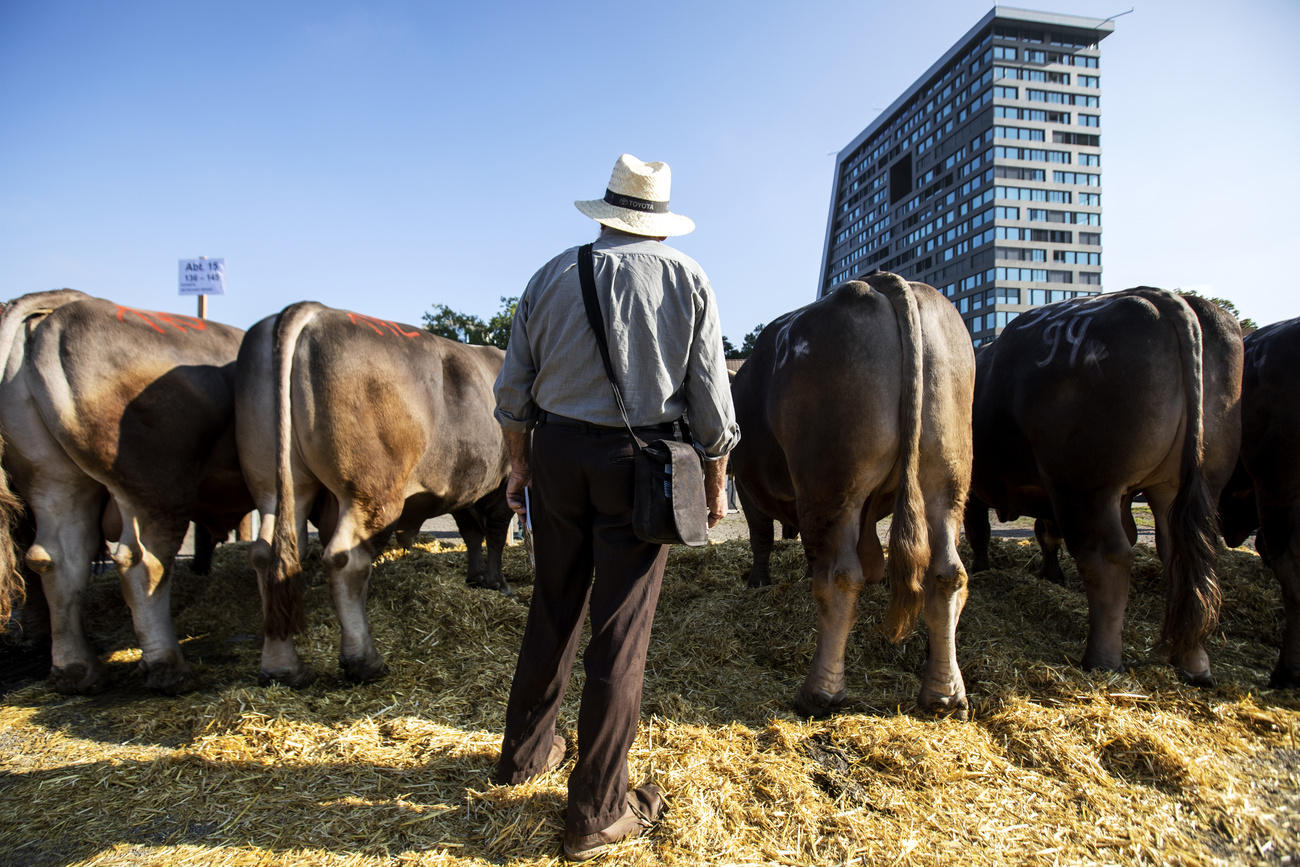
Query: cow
(118, 423)
(368, 427)
(852, 407)
(1082, 404)
(1264, 492)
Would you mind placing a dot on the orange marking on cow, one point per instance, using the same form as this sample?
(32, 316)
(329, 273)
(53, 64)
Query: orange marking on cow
(362, 319)
(176, 320)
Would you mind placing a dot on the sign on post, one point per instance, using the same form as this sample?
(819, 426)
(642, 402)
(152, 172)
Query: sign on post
(203, 276)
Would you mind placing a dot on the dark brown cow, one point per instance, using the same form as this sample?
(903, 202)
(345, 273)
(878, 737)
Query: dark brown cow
(120, 423)
(853, 407)
(1082, 404)
(369, 427)
(1264, 493)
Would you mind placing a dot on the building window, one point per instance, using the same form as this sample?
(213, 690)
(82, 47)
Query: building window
(1002, 92)
(1084, 179)
(1089, 120)
(1017, 133)
(1004, 52)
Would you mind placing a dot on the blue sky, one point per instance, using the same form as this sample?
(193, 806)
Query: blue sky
(385, 157)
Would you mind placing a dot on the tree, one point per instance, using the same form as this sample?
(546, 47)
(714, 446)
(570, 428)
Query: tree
(468, 328)
(1247, 324)
(747, 346)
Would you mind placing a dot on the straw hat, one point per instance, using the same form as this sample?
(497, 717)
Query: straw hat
(636, 200)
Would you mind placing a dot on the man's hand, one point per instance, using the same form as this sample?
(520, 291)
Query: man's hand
(515, 493)
(521, 474)
(715, 489)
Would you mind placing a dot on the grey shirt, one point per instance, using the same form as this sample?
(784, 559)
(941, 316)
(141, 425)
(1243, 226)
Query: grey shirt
(665, 344)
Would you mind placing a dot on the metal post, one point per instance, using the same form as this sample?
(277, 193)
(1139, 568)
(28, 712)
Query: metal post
(203, 299)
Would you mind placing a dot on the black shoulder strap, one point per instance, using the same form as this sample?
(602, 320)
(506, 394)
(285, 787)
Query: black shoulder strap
(587, 276)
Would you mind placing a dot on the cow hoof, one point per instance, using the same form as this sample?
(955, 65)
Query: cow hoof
(945, 705)
(1284, 678)
(753, 578)
(1093, 664)
(818, 704)
(1203, 679)
(166, 678)
(363, 671)
(77, 679)
(304, 676)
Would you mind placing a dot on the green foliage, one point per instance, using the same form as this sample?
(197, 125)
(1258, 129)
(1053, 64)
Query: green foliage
(468, 328)
(746, 346)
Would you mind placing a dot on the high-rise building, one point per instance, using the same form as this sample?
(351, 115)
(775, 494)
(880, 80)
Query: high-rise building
(984, 178)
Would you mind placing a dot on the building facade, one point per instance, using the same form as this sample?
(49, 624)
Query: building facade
(984, 178)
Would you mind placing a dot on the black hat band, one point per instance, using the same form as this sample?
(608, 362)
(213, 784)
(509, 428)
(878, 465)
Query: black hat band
(632, 203)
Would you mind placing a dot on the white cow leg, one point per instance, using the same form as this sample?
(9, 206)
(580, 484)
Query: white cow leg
(347, 560)
(144, 558)
(942, 689)
(67, 537)
(280, 661)
(837, 580)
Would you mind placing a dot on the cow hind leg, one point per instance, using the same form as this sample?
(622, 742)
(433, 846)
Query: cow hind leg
(943, 690)
(144, 558)
(497, 517)
(837, 580)
(67, 538)
(1193, 665)
(477, 525)
(1095, 535)
(761, 540)
(1049, 544)
(280, 661)
(1281, 549)
(347, 558)
(978, 534)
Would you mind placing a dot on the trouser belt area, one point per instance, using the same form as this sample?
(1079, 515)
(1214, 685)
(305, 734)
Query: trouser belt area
(550, 418)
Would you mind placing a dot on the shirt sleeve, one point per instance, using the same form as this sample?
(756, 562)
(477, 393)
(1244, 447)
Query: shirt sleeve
(708, 388)
(515, 408)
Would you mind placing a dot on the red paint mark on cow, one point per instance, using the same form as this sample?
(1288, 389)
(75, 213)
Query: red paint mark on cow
(176, 320)
(362, 319)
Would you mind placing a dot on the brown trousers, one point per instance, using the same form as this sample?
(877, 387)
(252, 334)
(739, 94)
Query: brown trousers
(581, 499)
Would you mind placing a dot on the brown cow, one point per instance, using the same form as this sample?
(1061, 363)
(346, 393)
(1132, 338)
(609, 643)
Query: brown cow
(369, 427)
(853, 407)
(122, 419)
(1082, 404)
(1265, 491)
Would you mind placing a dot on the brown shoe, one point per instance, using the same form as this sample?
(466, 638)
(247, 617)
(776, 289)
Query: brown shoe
(644, 807)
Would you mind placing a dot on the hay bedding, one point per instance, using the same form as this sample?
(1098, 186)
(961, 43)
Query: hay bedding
(1055, 766)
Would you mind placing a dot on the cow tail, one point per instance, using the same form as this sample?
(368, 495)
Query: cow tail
(1192, 612)
(909, 539)
(12, 587)
(284, 606)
